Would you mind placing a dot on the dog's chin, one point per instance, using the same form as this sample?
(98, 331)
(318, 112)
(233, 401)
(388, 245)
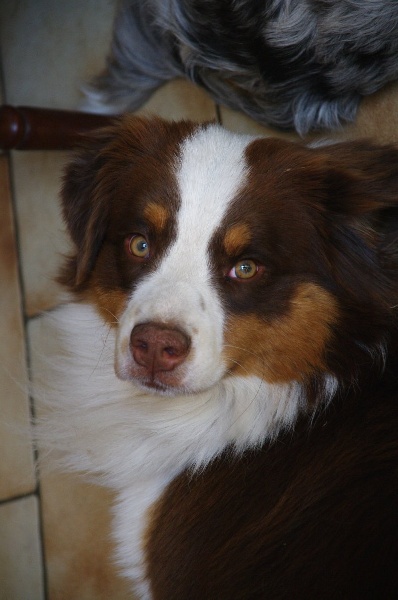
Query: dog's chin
(154, 386)
(158, 388)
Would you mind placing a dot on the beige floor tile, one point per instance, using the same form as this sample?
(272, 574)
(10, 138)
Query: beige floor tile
(78, 547)
(75, 515)
(241, 123)
(42, 238)
(16, 464)
(50, 48)
(20, 556)
(377, 117)
(180, 99)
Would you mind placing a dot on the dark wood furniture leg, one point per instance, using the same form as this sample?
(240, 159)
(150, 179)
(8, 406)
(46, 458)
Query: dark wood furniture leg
(27, 128)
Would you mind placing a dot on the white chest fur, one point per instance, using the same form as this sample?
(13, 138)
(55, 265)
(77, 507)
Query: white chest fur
(135, 442)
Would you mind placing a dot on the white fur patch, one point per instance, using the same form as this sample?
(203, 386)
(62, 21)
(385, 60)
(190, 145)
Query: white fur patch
(132, 441)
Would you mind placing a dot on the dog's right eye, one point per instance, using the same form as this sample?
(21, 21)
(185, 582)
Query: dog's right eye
(245, 270)
(137, 245)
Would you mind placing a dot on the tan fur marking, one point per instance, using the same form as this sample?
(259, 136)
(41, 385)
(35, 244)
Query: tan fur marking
(236, 239)
(288, 348)
(157, 215)
(110, 303)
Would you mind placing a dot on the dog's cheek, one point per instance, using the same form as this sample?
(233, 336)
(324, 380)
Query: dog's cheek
(108, 290)
(290, 347)
(109, 303)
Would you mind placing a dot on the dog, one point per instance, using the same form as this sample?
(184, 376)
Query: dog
(229, 363)
(291, 64)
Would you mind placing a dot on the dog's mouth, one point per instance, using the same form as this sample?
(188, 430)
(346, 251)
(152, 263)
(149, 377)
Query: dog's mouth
(158, 385)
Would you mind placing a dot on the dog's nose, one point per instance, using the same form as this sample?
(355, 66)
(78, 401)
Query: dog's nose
(158, 347)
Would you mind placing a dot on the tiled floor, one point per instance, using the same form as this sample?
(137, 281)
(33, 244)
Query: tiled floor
(54, 539)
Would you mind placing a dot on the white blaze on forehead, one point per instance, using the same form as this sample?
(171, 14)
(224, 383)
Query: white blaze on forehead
(211, 171)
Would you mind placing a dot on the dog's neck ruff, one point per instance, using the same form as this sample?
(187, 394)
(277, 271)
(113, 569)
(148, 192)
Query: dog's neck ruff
(109, 428)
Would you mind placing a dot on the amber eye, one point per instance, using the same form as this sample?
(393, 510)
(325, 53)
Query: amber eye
(244, 269)
(137, 245)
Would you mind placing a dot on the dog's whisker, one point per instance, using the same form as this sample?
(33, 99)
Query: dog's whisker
(104, 347)
(243, 349)
(116, 321)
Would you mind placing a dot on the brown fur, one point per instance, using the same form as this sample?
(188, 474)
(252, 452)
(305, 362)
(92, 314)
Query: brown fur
(236, 239)
(289, 347)
(312, 515)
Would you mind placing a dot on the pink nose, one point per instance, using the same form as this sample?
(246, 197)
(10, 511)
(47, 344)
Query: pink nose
(158, 347)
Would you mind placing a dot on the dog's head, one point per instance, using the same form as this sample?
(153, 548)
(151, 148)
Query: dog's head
(215, 254)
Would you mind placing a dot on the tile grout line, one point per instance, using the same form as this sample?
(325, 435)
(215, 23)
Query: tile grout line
(18, 497)
(22, 310)
(28, 362)
(35, 493)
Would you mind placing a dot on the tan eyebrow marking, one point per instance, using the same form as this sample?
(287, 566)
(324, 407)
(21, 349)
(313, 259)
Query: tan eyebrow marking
(237, 238)
(157, 215)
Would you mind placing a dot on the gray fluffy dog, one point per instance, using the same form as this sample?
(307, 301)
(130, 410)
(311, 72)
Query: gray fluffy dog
(302, 64)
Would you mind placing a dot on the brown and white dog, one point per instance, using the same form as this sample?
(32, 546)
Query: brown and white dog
(230, 365)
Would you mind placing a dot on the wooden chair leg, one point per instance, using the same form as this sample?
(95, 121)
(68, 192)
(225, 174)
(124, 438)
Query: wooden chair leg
(26, 128)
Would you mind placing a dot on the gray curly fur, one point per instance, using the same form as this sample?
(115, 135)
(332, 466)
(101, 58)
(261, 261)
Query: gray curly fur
(301, 64)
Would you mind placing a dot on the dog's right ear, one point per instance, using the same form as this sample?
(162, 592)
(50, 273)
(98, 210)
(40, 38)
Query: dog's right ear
(85, 206)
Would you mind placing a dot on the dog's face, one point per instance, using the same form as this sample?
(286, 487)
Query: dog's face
(215, 254)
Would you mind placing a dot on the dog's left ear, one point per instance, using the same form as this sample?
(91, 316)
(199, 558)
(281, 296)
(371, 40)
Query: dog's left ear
(362, 177)
(85, 206)
(360, 184)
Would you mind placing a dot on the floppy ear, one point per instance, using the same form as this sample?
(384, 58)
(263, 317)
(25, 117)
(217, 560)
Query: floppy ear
(362, 176)
(362, 181)
(85, 206)
(361, 212)
(352, 192)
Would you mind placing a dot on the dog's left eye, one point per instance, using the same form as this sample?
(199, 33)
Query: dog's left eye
(137, 245)
(244, 269)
